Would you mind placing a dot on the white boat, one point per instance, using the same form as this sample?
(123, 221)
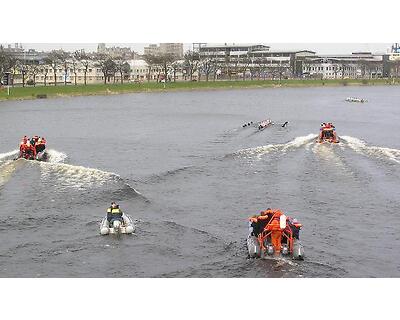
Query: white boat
(353, 99)
(126, 226)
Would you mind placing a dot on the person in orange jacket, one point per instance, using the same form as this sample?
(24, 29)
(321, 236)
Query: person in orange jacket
(257, 223)
(22, 146)
(276, 231)
(40, 145)
(276, 234)
(29, 151)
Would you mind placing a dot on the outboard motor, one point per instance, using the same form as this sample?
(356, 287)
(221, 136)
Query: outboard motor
(117, 226)
(253, 247)
(269, 249)
(298, 250)
(285, 249)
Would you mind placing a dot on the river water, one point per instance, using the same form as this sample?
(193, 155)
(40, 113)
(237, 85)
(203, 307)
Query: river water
(183, 167)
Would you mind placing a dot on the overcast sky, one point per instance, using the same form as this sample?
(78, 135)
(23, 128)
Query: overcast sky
(321, 48)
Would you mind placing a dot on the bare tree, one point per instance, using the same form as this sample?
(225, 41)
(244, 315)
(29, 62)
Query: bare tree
(3, 63)
(166, 60)
(22, 68)
(45, 73)
(175, 66)
(107, 66)
(163, 60)
(253, 66)
(74, 66)
(192, 60)
(33, 70)
(207, 66)
(122, 66)
(63, 58)
(395, 68)
(244, 65)
(152, 61)
(53, 60)
(84, 60)
(13, 68)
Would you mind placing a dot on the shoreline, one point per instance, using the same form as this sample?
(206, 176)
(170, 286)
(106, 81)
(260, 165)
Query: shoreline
(62, 91)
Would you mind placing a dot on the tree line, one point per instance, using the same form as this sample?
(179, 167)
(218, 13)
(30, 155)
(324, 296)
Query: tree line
(57, 60)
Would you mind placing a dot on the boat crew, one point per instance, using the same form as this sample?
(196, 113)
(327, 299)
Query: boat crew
(114, 213)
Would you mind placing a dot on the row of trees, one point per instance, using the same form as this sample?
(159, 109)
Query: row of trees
(195, 67)
(66, 61)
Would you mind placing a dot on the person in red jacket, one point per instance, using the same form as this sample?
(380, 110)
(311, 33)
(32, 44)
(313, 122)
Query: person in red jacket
(29, 151)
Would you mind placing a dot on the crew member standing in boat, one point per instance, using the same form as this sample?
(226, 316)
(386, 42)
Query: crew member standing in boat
(114, 213)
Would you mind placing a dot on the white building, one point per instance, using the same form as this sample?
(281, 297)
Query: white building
(356, 65)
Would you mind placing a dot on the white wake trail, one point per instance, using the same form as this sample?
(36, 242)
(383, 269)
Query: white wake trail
(7, 169)
(76, 176)
(282, 147)
(361, 147)
(55, 156)
(8, 155)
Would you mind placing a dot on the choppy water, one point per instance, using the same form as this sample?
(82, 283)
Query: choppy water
(185, 169)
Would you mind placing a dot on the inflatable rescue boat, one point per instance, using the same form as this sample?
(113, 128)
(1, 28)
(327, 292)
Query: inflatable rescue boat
(327, 133)
(126, 226)
(278, 237)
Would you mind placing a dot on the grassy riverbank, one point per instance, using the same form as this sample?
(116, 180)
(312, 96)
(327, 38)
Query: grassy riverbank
(19, 93)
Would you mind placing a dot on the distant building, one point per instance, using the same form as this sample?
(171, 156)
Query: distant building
(101, 48)
(252, 60)
(29, 56)
(152, 49)
(391, 62)
(353, 66)
(225, 50)
(175, 49)
(396, 48)
(139, 70)
(116, 51)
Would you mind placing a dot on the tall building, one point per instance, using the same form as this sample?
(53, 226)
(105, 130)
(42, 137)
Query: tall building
(101, 48)
(175, 49)
(152, 49)
(116, 51)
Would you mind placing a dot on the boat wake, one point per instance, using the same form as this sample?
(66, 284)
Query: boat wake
(66, 175)
(328, 154)
(55, 156)
(7, 169)
(361, 147)
(283, 148)
(8, 155)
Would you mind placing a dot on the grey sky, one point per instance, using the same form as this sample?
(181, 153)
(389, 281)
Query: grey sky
(321, 48)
